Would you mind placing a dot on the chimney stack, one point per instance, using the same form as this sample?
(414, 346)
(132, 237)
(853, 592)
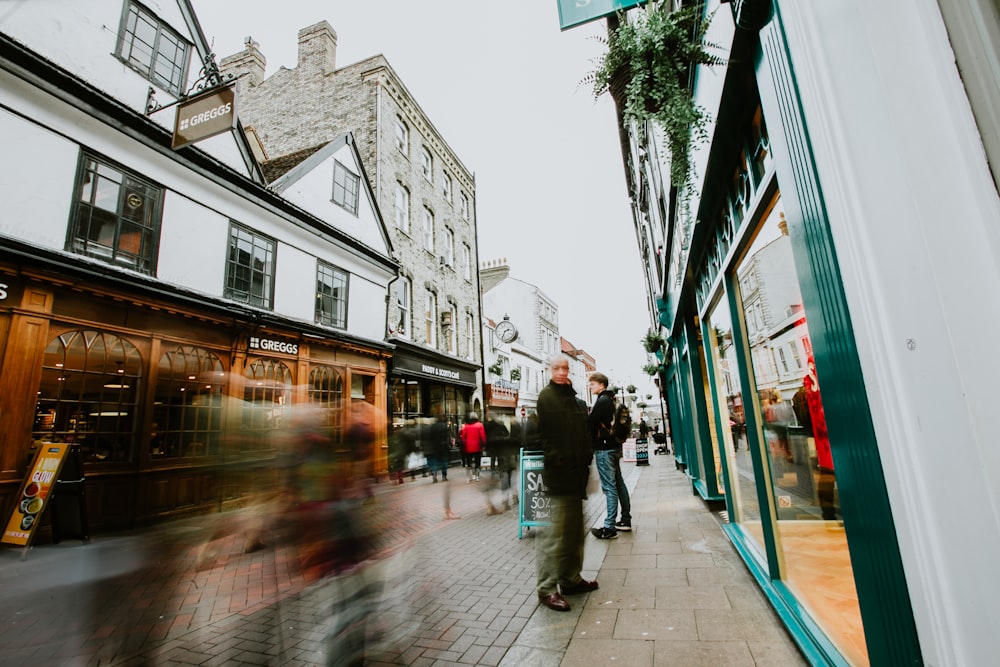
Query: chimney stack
(249, 62)
(318, 48)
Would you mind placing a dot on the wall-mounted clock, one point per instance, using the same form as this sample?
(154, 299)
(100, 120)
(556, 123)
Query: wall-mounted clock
(506, 331)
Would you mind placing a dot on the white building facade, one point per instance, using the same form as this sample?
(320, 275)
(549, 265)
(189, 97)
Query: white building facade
(156, 302)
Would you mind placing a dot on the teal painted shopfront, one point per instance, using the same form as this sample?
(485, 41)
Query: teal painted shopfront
(767, 401)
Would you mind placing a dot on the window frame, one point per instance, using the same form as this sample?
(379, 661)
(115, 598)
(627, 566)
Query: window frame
(92, 171)
(463, 205)
(427, 228)
(125, 49)
(402, 208)
(404, 311)
(427, 164)
(467, 261)
(447, 186)
(229, 291)
(470, 334)
(337, 316)
(430, 318)
(449, 247)
(401, 136)
(349, 189)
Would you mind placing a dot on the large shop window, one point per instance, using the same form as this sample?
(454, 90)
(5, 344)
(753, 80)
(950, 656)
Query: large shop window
(88, 393)
(116, 216)
(789, 436)
(250, 270)
(188, 404)
(266, 399)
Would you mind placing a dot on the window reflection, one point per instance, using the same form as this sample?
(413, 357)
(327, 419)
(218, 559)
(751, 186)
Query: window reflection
(792, 438)
(87, 394)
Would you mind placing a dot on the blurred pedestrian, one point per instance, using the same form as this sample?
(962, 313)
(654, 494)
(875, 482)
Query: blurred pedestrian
(564, 440)
(439, 447)
(473, 436)
(502, 449)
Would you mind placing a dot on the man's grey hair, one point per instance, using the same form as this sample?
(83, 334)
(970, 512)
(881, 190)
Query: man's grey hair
(557, 358)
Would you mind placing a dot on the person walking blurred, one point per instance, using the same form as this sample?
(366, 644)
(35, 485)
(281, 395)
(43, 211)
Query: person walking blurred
(473, 436)
(563, 438)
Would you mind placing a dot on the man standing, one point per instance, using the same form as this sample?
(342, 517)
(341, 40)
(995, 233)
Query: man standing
(562, 436)
(608, 454)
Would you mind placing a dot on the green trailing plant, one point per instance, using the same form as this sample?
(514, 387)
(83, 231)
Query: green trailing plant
(496, 369)
(646, 68)
(653, 342)
(515, 375)
(631, 389)
(651, 369)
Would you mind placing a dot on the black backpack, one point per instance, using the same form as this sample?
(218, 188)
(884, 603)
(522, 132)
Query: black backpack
(621, 426)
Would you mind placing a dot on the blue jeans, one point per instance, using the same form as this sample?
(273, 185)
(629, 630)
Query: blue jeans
(623, 497)
(607, 464)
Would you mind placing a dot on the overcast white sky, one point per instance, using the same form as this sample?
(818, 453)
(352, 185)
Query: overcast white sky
(501, 83)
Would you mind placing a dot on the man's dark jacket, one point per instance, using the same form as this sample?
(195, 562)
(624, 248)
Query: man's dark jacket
(565, 443)
(599, 421)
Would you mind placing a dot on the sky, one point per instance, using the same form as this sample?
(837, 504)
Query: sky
(501, 83)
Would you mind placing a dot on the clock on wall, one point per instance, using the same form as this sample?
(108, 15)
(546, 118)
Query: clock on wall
(506, 331)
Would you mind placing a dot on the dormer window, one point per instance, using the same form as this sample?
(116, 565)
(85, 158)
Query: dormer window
(151, 48)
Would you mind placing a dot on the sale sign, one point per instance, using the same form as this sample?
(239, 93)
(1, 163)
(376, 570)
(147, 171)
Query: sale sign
(35, 493)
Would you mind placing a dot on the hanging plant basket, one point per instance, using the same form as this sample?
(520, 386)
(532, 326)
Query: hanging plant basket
(653, 343)
(646, 69)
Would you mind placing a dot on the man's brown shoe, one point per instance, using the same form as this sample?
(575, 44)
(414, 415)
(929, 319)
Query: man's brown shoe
(554, 601)
(583, 587)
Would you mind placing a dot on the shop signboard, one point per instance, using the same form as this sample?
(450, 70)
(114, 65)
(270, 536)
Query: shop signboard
(535, 509)
(35, 493)
(576, 12)
(205, 116)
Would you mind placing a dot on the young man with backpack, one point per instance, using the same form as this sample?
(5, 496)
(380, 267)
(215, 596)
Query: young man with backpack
(610, 425)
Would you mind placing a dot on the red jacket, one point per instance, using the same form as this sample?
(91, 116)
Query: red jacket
(473, 436)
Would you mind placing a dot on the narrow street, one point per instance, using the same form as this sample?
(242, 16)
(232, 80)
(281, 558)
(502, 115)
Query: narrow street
(446, 592)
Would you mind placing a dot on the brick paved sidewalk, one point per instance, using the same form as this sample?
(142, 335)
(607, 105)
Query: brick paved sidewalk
(452, 593)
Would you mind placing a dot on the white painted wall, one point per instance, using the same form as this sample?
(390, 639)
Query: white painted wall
(81, 36)
(42, 138)
(914, 216)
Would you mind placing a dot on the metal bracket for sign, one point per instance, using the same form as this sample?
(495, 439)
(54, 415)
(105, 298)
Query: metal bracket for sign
(209, 79)
(534, 501)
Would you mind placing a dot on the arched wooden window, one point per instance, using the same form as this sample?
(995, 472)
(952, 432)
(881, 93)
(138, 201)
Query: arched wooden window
(267, 395)
(87, 394)
(187, 408)
(326, 389)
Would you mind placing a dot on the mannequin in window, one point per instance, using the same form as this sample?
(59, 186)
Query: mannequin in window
(824, 456)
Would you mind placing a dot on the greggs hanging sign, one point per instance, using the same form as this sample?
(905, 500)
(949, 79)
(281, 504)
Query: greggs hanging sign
(204, 116)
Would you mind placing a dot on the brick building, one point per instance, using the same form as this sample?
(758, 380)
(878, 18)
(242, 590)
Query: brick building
(426, 194)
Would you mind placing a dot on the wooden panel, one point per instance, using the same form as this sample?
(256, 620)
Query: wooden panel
(185, 491)
(21, 368)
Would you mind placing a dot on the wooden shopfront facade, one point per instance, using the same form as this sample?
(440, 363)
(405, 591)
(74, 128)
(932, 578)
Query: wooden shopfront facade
(177, 401)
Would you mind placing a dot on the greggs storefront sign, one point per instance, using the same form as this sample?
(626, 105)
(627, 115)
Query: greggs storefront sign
(271, 345)
(205, 116)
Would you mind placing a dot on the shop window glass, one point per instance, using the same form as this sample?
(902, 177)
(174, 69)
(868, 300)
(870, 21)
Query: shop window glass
(267, 396)
(88, 395)
(116, 216)
(793, 442)
(729, 401)
(187, 407)
(326, 391)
